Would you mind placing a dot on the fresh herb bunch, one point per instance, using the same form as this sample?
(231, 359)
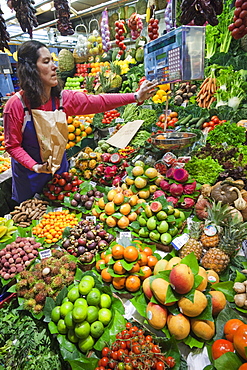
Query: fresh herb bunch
(204, 171)
(25, 343)
(228, 133)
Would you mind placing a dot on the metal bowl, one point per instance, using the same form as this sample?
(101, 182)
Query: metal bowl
(173, 140)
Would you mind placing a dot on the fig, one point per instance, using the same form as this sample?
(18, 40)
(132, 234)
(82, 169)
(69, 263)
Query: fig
(155, 206)
(77, 197)
(74, 203)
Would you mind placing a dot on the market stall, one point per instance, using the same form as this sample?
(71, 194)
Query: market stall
(135, 258)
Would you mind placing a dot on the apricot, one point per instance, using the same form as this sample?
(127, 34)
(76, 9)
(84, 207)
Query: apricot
(195, 308)
(218, 301)
(156, 315)
(204, 329)
(125, 209)
(181, 278)
(111, 221)
(160, 266)
(172, 262)
(111, 194)
(203, 285)
(213, 277)
(101, 203)
(178, 325)
(159, 289)
(144, 194)
(146, 286)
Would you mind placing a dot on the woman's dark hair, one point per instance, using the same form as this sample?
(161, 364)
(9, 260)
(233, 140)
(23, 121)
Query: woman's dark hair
(28, 75)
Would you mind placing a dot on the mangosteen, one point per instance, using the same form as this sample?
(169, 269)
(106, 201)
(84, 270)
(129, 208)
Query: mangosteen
(86, 257)
(77, 235)
(102, 244)
(86, 229)
(77, 197)
(97, 194)
(81, 250)
(92, 199)
(90, 193)
(109, 238)
(74, 203)
(102, 233)
(91, 245)
(66, 243)
(88, 204)
(97, 227)
(84, 198)
(82, 241)
(90, 235)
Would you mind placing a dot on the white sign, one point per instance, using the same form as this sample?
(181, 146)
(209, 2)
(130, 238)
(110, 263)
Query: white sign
(111, 130)
(122, 138)
(58, 209)
(125, 234)
(91, 218)
(93, 183)
(118, 119)
(45, 254)
(147, 106)
(7, 217)
(179, 242)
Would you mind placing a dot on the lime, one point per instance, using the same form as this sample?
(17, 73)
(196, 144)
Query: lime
(93, 298)
(79, 313)
(105, 316)
(80, 302)
(71, 336)
(92, 314)
(88, 278)
(97, 329)
(68, 319)
(73, 294)
(61, 327)
(86, 285)
(86, 344)
(65, 308)
(182, 216)
(105, 301)
(55, 314)
(82, 329)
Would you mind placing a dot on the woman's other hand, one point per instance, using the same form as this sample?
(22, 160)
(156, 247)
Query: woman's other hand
(41, 168)
(147, 90)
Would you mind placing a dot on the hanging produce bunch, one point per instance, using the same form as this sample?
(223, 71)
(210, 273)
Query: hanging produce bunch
(25, 14)
(168, 17)
(136, 26)
(105, 31)
(153, 28)
(64, 25)
(4, 35)
(239, 26)
(120, 32)
(201, 11)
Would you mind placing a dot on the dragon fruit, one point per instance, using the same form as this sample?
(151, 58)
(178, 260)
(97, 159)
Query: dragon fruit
(170, 172)
(176, 190)
(188, 203)
(158, 193)
(110, 171)
(173, 200)
(164, 185)
(180, 175)
(100, 169)
(106, 157)
(190, 188)
(116, 181)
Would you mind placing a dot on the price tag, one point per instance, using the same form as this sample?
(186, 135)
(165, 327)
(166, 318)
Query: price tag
(93, 183)
(168, 112)
(124, 177)
(111, 130)
(7, 217)
(6, 71)
(126, 234)
(189, 222)
(58, 209)
(244, 247)
(45, 254)
(179, 242)
(184, 104)
(141, 43)
(91, 218)
(129, 58)
(118, 119)
(147, 106)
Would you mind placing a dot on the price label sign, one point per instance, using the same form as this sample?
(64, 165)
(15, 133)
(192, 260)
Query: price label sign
(179, 242)
(58, 209)
(111, 130)
(125, 234)
(91, 218)
(93, 183)
(147, 106)
(45, 254)
(119, 120)
(7, 217)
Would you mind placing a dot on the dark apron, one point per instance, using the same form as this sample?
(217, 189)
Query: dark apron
(26, 183)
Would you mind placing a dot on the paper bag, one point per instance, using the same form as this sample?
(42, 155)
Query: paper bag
(52, 133)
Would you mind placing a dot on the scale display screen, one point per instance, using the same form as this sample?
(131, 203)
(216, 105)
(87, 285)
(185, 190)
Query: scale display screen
(176, 56)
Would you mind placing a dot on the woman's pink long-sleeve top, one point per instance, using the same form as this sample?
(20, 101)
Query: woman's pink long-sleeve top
(74, 103)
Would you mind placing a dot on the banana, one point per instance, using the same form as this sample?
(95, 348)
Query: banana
(148, 14)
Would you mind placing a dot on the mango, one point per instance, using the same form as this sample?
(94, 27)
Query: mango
(181, 278)
(195, 308)
(172, 262)
(147, 288)
(218, 301)
(204, 329)
(159, 288)
(213, 277)
(156, 315)
(203, 285)
(178, 325)
(160, 266)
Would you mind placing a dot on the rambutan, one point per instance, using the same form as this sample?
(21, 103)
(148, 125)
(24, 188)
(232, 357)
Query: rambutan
(29, 294)
(38, 287)
(37, 308)
(64, 259)
(57, 282)
(50, 292)
(69, 280)
(55, 271)
(40, 297)
(72, 266)
(21, 284)
(21, 292)
(30, 303)
(47, 279)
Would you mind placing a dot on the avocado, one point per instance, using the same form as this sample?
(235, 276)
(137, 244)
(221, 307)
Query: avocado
(141, 41)
(139, 54)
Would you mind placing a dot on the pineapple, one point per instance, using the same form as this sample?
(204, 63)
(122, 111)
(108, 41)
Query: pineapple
(234, 234)
(89, 82)
(215, 259)
(217, 216)
(193, 244)
(115, 78)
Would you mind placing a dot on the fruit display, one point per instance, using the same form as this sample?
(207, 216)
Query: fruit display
(84, 314)
(78, 129)
(169, 121)
(65, 60)
(16, 256)
(184, 92)
(110, 116)
(104, 147)
(2, 147)
(95, 46)
(126, 265)
(5, 163)
(137, 348)
(162, 94)
(85, 200)
(61, 185)
(45, 279)
(52, 225)
(27, 211)
(111, 171)
(105, 31)
(85, 240)
(212, 123)
(240, 297)
(6, 229)
(73, 83)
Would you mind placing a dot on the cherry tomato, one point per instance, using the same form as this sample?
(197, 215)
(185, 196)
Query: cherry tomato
(215, 119)
(136, 349)
(205, 124)
(156, 349)
(114, 355)
(221, 346)
(162, 117)
(211, 123)
(104, 361)
(121, 354)
(170, 361)
(106, 351)
(121, 366)
(149, 338)
(159, 365)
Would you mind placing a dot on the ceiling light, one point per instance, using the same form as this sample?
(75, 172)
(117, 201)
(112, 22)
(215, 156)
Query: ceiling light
(45, 7)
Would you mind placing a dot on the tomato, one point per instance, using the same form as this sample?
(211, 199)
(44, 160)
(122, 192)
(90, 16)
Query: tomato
(231, 327)
(136, 349)
(156, 349)
(162, 117)
(149, 338)
(211, 123)
(61, 182)
(206, 124)
(121, 366)
(105, 351)
(123, 344)
(128, 366)
(240, 340)
(114, 355)
(60, 197)
(170, 361)
(221, 346)
(215, 119)
(121, 354)
(159, 365)
(104, 361)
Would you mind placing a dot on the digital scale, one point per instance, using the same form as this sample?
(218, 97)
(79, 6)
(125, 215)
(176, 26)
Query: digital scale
(176, 56)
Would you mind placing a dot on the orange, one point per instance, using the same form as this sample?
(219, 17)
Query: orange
(143, 261)
(71, 128)
(103, 254)
(118, 268)
(76, 123)
(106, 277)
(125, 209)
(77, 132)
(88, 130)
(67, 146)
(152, 260)
(118, 282)
(135, 268)
(147, 272)
(131, 254)
(148, 251)
(69, 119)
(71, 136)
(243, 366)
(111, 221)
(132, 216)
(132, 283)
(71, 143)
(77, 139)
(108, 257)
(173, 114)
(231, 327)
(82, 127)
(109, 208)
(118, 198)
(123, 222)
(117, 251)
